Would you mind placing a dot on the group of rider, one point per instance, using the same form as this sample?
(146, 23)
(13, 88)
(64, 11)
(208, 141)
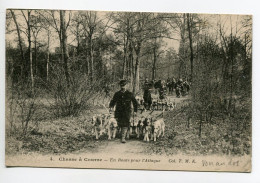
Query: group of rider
(181, 88)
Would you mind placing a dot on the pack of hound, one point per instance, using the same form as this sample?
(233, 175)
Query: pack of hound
(157, 104)
(143, 127)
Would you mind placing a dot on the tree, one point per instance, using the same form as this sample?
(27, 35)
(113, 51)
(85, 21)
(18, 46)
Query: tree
(57, 20)
(148, 26)
(28, 32)
(20, 43)
(189, 27)
(122, 26)
(63, 28)
(36, 27)
(194, 26)
(90, 23)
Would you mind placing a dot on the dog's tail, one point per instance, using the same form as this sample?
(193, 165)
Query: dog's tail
(162, 114)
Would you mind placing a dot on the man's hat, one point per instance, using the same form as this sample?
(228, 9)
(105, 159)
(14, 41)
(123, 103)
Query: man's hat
(122, 82)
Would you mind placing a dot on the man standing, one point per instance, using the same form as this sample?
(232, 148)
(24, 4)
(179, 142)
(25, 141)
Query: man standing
(162, 90)
(146, 83)
(186, 86)
(147, 96)
(179, 88)
(172, 85)
(123, 100)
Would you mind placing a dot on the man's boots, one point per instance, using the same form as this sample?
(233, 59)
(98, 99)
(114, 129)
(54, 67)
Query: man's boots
(124, 132)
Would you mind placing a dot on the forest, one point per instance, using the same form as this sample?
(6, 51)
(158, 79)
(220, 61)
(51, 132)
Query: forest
(62, 65)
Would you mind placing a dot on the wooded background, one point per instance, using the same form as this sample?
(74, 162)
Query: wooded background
(115, 45)
(71, 57)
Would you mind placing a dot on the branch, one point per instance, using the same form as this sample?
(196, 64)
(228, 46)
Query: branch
(68, 20)
(24, 17)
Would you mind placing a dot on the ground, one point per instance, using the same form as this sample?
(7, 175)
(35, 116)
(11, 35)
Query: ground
(112, 147)
(73, 135)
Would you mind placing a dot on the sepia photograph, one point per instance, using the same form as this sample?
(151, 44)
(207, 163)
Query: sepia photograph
(128, 90)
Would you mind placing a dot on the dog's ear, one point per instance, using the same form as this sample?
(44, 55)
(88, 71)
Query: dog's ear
(94, 119)
(99, 120)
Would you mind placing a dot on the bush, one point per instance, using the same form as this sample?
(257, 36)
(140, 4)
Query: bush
(73, 96)
(21, 107)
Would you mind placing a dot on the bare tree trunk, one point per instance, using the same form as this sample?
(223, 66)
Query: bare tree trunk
(245, 47)
(189, 23)
(101, 66)
(78, 38)
(30, 51)
(124, 69)
(86, 64)
(129, 69)
(232, 71)
(182, 46)
(132, 69)
(48, 56)
(131, 64)
(20, 43)
(35, 56)
(125, 64)
(91, 63)
(64, 45)
(154, 61)
(136, 78)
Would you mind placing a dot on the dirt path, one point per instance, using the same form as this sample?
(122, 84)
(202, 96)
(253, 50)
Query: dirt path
(133, 146)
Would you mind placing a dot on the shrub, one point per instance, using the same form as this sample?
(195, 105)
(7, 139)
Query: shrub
(21, 107)
(70, 98)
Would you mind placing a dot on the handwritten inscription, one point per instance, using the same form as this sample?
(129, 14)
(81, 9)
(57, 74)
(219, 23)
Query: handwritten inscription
(219, 164)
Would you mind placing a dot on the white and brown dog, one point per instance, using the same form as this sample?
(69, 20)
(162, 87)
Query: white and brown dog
(98, 122)
(140, 127)
(111, 127)
(154, 104)
(133, 128)
(147, 128)
(170, 105)
(104, 124)
(158, 128)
